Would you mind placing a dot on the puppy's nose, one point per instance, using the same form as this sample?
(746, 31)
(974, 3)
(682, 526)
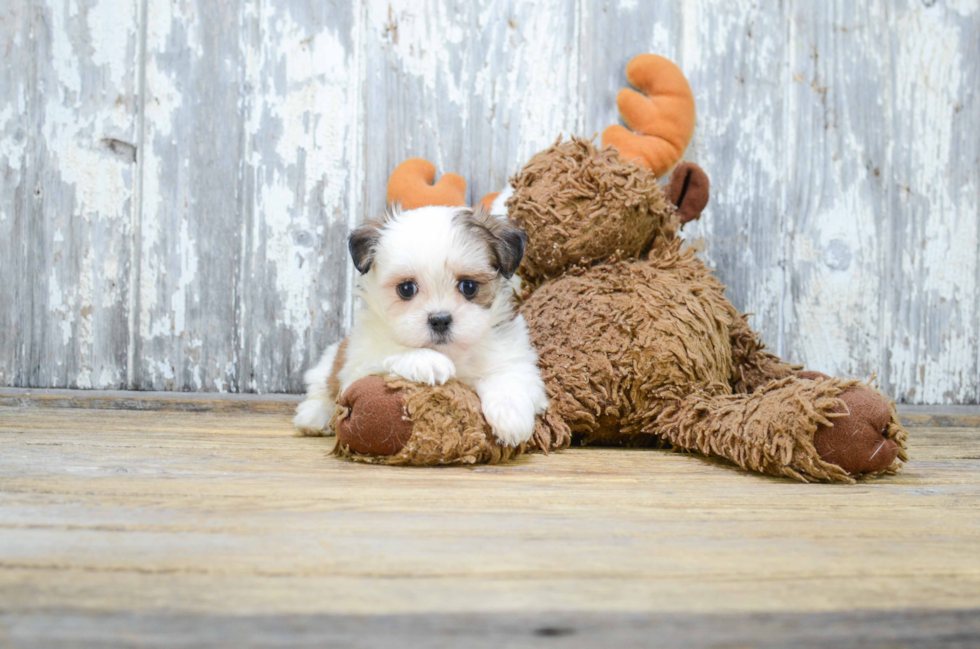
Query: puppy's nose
(440, 322)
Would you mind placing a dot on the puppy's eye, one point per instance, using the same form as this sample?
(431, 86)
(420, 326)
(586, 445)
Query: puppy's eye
(407, 290)
(468, 288)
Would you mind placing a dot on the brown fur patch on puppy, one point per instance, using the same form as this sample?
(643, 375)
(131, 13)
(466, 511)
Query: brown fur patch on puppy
(504, 239)
(489, 284)
(362, 244)
(333, 383)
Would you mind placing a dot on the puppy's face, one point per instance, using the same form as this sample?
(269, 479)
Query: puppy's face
(435, 273)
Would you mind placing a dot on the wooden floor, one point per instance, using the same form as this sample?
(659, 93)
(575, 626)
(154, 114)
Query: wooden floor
(163, 528)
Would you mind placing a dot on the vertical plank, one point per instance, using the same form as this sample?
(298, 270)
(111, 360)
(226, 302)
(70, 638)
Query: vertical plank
(612, 33)
(75, 216)
(17, 83)
(735, 57)
(838, 134)
(932, 296)
(473, 87)
(190, 234)
(523, 89)
(301, 186)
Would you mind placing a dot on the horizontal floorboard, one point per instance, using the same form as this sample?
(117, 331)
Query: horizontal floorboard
(925, 629)
(120, 526)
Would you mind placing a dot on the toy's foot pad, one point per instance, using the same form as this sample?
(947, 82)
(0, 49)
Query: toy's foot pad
(856, 442)
(376, 423)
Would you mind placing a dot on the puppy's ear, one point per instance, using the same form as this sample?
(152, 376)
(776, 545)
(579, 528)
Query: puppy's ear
(505, 239)
(363, 243)
(509, 248)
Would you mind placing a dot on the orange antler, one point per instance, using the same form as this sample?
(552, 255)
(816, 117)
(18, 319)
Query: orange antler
(410, 184)
(662, 116)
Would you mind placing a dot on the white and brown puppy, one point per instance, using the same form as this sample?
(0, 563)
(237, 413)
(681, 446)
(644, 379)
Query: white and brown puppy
(436, 303)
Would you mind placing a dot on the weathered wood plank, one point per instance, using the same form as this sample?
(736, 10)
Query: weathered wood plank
(73, 77)
(471, 86)
(190, 227)
(278, 404)
(909, 629)
(140, 513)
(285, 404)
(18, 175)
(931, 305)
(839, 69)
(302, 187)
(735, 56)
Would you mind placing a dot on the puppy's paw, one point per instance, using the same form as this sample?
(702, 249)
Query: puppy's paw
(312, 418)
(511, 417)
(422, 366)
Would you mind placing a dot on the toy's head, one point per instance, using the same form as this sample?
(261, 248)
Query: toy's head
(580, 204)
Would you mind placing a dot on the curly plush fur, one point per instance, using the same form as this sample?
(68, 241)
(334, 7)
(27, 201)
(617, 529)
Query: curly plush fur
(642, 346)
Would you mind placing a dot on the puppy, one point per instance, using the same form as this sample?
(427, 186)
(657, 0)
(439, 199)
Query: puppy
(437, 299)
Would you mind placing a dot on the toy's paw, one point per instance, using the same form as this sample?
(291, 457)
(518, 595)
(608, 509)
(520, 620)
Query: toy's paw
(511, 417)
(422, 366)
(856, 441)
(376, 422)
(312, 418)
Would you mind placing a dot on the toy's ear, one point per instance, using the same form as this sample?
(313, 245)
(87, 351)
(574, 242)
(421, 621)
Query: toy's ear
(411, 186)
(689, 190)
(660, 119)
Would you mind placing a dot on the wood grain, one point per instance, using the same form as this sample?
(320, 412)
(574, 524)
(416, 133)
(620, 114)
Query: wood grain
(67, 158)
(178, 177)
(933, 250)
(17, 172)
(921, 629)
(301, 188)
(106, 513)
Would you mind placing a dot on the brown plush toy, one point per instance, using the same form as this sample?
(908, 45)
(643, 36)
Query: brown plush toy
(638, 345)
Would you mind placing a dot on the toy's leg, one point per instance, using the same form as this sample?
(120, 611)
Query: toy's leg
(754, 366)
(388, 420)
(825, 429)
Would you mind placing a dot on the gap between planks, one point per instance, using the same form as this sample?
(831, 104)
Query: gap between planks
(912, 416)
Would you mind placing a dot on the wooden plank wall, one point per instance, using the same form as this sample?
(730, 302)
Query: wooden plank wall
(178, 176)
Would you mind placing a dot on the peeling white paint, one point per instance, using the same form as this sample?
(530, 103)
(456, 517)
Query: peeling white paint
(928, 354)
(108, 24)
(841, 139)
(188, 271)
(163, 102)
